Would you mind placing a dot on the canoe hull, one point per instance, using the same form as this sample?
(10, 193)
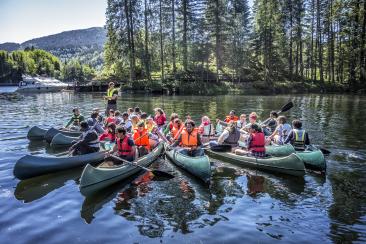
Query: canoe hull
(197, 166)
(36, 133)
(290, 165)
(52, 132)
(61, 140)
(313, 160)
(30, 166)
(94, 179)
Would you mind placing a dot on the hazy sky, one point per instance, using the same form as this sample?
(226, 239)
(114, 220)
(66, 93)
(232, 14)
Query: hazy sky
(22, 20)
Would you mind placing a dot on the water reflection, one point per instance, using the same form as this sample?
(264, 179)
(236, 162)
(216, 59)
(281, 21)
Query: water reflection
(35, 188)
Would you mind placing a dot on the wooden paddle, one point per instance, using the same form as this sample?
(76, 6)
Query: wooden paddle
(155, 172)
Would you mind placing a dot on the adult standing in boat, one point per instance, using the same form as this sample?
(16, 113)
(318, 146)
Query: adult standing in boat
(124, 147)
(112, 94)
(189, 140)
(255, 143)
(298, 137)
(75, 120)
(88, 141)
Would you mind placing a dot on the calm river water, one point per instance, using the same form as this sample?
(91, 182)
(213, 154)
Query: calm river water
(241, 206)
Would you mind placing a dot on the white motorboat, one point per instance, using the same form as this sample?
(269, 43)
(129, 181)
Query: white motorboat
(40, 84)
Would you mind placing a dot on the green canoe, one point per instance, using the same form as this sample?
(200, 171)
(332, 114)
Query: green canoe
(53, 132)
(36, 133)
(313, 158)
(291, 164)
(29, 166)
(94, 179)
(197, 166)
(61, 140)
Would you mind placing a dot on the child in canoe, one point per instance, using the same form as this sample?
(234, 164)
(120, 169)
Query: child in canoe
(298, 137)
(75, 120)
(255, 143)
(124, 148)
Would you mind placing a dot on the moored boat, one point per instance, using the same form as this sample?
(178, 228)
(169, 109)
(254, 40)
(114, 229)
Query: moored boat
(94, 179)
(291, 164)
(53, 131)
(29, 166)
(36, 133)
(197, 166)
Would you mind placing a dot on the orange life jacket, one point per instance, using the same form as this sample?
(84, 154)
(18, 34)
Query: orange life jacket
(123, 148)
(189, 140)
(257, 143)
(228, 119)
(175, 132)
(141, 138)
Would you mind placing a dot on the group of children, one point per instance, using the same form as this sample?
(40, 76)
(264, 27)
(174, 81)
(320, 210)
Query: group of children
(134, 131)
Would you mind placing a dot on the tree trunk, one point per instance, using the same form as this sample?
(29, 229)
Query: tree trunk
(133, 53)
(173, 37)
(147, 56)
(161, 40)
(362, 46)
(185, 29)
(319, 43)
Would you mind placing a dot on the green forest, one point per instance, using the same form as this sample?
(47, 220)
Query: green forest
(39, 62)
(201, 43)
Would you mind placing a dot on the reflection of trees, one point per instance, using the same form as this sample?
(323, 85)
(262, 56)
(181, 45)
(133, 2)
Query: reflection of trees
(349, 198)
(38, 187)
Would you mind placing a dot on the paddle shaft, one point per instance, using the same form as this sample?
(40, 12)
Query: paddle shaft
(128, 162)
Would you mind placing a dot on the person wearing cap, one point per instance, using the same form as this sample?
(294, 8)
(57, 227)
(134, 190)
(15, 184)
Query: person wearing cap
(189, 140)
(76, 118)
(88, 141)
(112, 94)
(141, 138)
(150, 124)
(255, 143)
(124, 148)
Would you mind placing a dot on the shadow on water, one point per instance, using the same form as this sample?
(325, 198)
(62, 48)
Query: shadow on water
(35, 147)
(35, 188)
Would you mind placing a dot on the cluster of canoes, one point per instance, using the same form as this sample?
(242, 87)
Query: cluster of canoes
(185, 146)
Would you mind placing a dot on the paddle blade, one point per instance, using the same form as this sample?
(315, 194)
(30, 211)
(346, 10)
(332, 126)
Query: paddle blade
(162, 174)
(286, 107)
(325, 151)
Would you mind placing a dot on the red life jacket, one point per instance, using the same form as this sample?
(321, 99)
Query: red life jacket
(258, 142)
(123, 148)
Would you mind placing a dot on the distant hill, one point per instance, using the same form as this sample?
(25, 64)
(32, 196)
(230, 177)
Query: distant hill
(85, 45)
